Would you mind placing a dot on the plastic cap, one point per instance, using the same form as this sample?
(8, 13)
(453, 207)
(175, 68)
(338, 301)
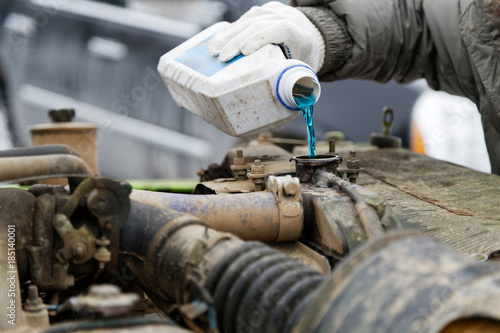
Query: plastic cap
(297, 80)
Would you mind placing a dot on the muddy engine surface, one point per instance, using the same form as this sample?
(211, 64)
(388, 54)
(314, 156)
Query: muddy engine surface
(359, 239)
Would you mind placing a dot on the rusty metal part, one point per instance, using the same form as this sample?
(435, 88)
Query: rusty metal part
(14, 317)
(306, 167)
(333, 226)
(106, 300)
(331, 147)
(44, 271)
(257, 175)
(276, 161)
(36, 312)
(370, 207)
(86, 225)
(385, 139)
(239, 166)
(235, 213)
(287, 191)
(41, 251)
(58, 192)
(326, 231)
(403, 282)
(34, 302)
(79, 244)
(228, 184)
(17, 209)
(16, 169)
(109, 202)
(353, 167)
(367, 204)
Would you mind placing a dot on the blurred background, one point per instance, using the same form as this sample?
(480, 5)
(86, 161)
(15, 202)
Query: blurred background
(99, 58)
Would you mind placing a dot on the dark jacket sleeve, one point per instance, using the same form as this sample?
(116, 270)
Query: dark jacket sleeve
(400, 39)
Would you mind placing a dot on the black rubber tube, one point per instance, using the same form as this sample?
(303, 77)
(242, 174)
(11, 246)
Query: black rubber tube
(219, 269)
(251, 317)
(232, 274)
(297, 313)
(291, 301)
(240, 287)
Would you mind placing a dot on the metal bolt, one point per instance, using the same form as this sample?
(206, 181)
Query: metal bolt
(352, 162)
(257, 175)
(291, 188)
(102, 206)
(239, 167)
(331, 146)
(353, 165)
(79, 250)
(34, 303)
(33, 292)
(257, 167)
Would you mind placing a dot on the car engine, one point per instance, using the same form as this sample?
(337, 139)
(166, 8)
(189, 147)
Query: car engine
(363, 238)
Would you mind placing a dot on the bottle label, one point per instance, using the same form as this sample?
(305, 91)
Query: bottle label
(200, 60)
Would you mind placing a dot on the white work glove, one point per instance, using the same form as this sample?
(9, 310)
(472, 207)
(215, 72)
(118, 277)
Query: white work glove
(272, 23)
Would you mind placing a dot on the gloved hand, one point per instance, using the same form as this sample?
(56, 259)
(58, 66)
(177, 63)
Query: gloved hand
(272, 23)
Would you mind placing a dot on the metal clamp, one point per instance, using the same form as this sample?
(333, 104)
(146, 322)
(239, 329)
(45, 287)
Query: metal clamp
(287, 191)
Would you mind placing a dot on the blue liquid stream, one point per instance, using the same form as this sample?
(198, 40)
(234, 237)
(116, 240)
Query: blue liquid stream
(306, 105)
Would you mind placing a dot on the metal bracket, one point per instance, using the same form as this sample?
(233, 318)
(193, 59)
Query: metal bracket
(109, 202)
(78, 243)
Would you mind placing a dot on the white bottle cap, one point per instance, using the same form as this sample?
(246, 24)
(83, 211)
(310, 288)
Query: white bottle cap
(297, 80)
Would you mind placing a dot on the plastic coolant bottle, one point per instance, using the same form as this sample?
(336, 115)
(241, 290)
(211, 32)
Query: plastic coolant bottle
(242, 97)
